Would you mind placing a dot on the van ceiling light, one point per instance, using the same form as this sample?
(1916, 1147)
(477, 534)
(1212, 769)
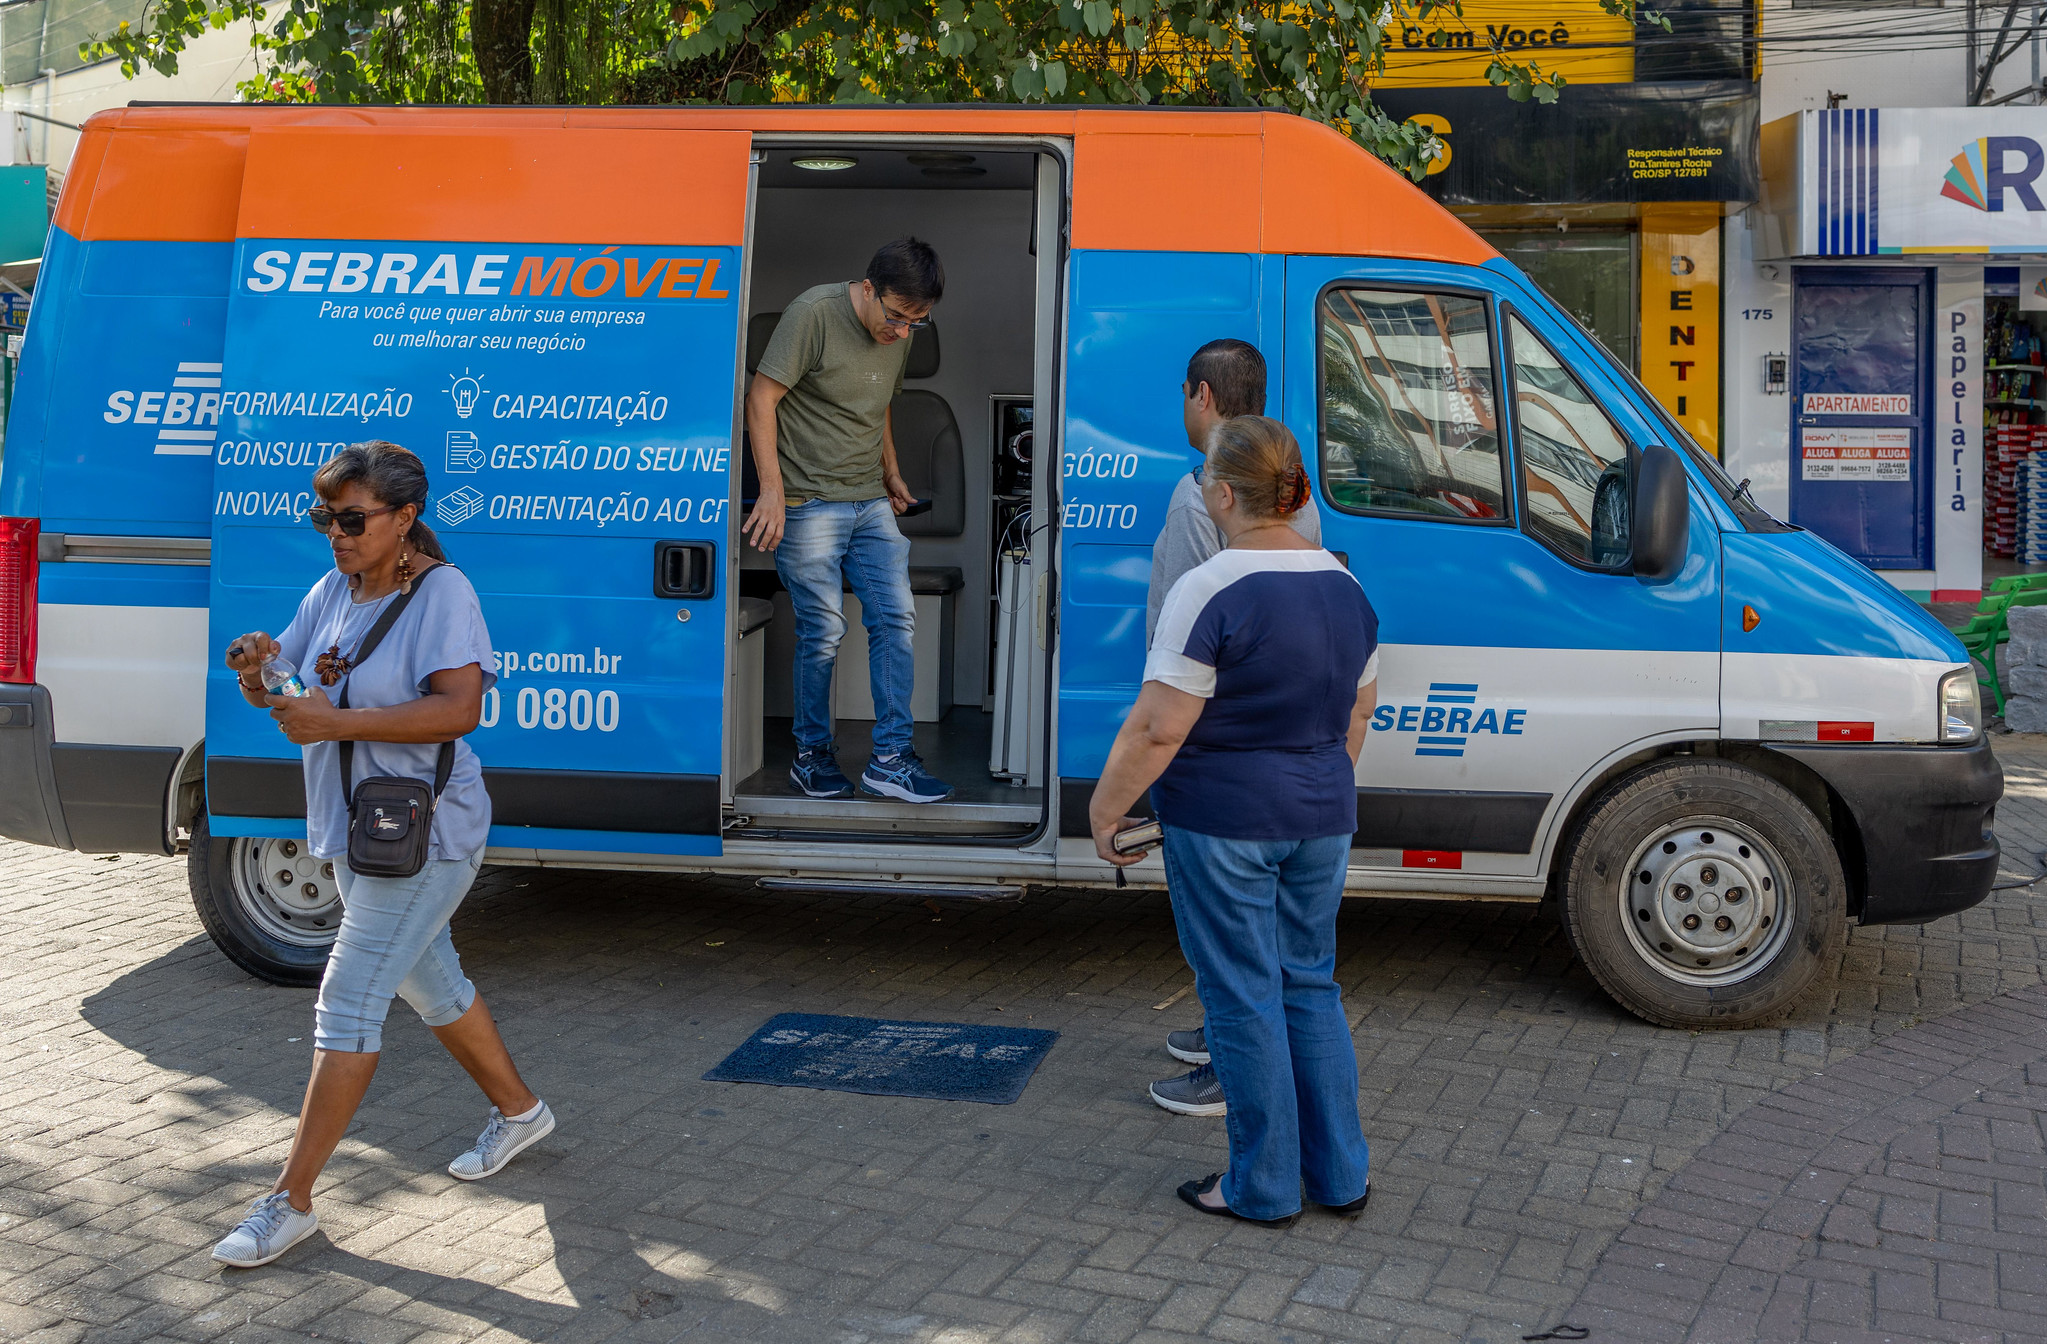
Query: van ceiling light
(826, 163)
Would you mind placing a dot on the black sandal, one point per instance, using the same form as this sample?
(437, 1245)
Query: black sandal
(1355, 1207)
(1192, 1192)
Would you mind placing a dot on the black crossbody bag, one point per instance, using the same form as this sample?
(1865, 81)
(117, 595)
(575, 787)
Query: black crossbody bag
(390, 817)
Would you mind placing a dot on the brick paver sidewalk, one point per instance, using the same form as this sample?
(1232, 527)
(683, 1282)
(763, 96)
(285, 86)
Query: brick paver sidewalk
(1900, 1195)
(1521, 1125)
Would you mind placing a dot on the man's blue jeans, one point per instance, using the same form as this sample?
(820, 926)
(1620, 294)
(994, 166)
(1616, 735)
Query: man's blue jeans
(1257, 921)
(824, 543)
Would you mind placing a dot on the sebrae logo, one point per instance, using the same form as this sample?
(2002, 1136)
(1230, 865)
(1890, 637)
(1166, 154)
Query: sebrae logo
(1451, 718)
(187, 418)
(1979, 175)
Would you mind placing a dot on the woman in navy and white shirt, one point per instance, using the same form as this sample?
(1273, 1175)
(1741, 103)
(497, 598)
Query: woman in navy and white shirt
(1259, 684)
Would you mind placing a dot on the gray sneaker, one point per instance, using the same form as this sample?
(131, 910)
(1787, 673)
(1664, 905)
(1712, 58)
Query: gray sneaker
(272, 1228)
(1189, 1047)
(501, 1141)
(1197, 1093)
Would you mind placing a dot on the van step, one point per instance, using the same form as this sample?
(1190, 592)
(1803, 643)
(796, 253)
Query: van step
(874, 813)
(952, 891)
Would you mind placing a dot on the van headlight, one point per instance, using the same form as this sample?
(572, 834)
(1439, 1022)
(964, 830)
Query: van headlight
(1961, 706)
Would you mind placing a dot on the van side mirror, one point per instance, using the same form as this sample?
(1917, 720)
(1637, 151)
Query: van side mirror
(1663, 518)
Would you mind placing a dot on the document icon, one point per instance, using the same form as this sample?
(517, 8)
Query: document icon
(459, 507)
(463, 454)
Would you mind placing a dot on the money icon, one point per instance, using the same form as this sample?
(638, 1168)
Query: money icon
(459, 507)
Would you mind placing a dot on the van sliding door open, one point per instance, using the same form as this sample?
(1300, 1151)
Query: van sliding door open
(549, 318)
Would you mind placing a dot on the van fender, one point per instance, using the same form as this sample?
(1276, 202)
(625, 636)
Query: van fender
(1571, 802)
(1809, 786)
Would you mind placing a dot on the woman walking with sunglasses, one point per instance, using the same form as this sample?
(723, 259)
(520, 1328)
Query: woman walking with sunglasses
(404, 687)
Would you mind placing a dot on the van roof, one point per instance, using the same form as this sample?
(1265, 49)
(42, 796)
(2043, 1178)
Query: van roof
(1144, 179)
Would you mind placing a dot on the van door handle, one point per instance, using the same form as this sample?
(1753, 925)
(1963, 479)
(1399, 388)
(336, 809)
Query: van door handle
(686, 569)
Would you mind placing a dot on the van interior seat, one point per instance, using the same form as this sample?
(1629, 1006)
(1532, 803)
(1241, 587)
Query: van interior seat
(754, 613)
(929, 450)
(932, 460)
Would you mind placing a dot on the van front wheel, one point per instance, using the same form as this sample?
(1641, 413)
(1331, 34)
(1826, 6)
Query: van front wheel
(1702, 894)
(270, 905)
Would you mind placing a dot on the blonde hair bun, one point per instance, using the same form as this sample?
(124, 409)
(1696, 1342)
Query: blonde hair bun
(1259, 459)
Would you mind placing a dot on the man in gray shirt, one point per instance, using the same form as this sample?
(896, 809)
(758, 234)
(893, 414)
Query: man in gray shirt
(1225, 379)
(817, 414)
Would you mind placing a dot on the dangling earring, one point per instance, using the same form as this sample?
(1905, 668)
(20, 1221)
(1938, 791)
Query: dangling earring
(404, 571)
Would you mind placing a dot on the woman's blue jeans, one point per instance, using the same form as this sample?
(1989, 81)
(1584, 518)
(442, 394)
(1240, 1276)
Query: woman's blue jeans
(1257, 921)
(825, 545)
(394, 940)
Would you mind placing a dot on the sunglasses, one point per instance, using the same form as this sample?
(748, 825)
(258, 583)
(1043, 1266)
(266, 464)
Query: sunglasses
(352, 521)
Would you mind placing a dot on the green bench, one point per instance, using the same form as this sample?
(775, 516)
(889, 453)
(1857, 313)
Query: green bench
(1987, 628)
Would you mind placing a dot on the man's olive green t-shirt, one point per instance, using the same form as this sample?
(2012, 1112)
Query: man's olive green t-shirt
(840, 381)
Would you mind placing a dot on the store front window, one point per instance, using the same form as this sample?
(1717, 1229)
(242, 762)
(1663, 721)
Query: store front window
(1589, 273)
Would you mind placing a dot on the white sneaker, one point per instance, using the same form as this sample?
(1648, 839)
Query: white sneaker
(501, 1141)
(272, 1228)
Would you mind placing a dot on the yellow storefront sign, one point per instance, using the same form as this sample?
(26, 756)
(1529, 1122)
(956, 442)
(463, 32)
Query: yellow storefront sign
(1679, 343)
(1573, 38)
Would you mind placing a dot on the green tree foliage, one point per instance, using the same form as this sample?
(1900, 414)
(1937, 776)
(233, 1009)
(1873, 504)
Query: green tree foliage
(1315, 58)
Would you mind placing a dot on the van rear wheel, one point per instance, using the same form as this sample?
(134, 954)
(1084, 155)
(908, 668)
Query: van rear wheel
(1701, 894)
(270, 905)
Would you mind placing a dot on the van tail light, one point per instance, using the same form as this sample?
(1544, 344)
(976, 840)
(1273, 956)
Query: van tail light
(18, 541)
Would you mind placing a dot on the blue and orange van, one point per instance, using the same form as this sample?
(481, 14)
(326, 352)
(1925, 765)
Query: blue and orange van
(1609, 680)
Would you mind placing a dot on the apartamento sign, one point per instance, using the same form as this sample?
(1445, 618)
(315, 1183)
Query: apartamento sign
(1858, 403)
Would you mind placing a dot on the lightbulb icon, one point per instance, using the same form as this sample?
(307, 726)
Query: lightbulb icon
(465, 390)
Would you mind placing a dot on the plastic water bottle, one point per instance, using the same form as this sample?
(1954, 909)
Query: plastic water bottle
(281, 678)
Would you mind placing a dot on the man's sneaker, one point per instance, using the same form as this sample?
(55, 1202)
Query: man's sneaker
(272, 1228)
(1190, 1046)
(1197, 1093)
(501, 1141)
(903, 776)
(816, 773)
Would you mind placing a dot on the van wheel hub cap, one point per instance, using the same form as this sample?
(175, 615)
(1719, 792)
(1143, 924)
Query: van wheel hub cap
(285, 892)
(1703, 902)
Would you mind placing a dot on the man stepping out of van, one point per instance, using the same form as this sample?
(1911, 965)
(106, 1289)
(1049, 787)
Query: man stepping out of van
(1225, 379)
(818, 415)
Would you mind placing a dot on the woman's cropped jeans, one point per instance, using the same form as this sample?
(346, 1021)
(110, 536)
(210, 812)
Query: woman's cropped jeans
(1257, 921)
(827, 544)
(394, 940)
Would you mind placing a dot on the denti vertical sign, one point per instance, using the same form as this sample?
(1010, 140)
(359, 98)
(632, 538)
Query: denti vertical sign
(1679, 338)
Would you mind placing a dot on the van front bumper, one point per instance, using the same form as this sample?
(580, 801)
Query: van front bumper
(78, 795)
(1924, 815)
